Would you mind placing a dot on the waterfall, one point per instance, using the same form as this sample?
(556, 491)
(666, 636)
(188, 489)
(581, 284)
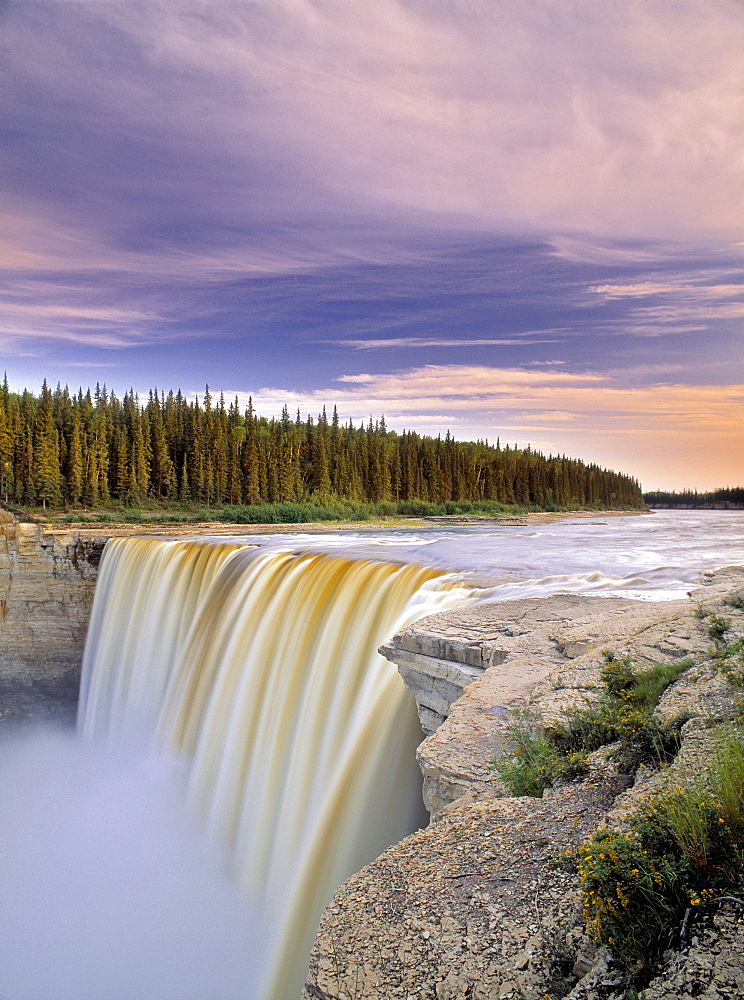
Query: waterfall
(260, 668)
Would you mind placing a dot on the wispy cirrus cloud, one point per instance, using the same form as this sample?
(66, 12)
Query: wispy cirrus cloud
(646, 288)
(371, 344)
(220, 118)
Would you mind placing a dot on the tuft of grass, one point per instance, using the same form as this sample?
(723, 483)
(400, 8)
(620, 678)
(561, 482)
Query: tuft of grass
(540, 758)
(735, 601)
(731, 660)
(649, 685)
(727, 779)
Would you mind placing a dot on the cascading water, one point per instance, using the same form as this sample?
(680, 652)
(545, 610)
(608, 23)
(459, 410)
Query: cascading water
(261, 669)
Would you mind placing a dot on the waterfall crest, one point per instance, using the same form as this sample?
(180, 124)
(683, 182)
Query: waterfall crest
(261, 668)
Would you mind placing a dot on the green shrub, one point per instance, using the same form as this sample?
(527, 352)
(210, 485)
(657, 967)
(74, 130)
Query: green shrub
(731, 660)
(718, 626)
(685, 847)
(458, 507)
(641, 739)
(362, 513)
(642, 688)
(535, 762)
(420, 508)
(651, 743)
(281, 513)
(616, 675)
(631, 898)
(385, 509)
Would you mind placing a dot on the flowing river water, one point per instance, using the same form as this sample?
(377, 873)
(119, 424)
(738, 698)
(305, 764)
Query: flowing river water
(242, 748)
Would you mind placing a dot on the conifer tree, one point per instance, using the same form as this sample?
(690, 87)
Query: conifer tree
(6, 449)
(94, 447)
(252, 491)
(47, 475)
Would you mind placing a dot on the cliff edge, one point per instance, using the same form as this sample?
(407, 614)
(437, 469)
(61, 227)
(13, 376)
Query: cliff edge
(47, 580)
(485, 902)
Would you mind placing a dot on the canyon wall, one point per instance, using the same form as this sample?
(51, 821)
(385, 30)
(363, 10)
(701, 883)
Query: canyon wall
(47, 580)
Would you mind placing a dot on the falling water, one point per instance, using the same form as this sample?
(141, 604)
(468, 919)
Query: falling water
(260, 669)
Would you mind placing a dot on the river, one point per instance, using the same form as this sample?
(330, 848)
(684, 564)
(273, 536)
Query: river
(656, 556)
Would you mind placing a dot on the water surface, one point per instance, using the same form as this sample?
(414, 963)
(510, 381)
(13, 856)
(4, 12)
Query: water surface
(656, 556)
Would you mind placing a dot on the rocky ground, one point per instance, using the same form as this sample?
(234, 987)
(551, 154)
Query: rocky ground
(484, 903)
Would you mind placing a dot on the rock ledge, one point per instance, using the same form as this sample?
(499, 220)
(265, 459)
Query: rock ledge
(484, 903)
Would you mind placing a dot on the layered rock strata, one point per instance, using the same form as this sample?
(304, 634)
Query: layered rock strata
(485, 902)
(514, 653)
(47, 580)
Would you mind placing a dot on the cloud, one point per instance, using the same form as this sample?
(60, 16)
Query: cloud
(371, 344)
(473, 392)
(556, 116)
(281, 182)
(329, 140)
(642, 289)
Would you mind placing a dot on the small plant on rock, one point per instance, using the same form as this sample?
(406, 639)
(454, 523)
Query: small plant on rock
(718, 626)
(535, 763)
(623, 714)
(617, 674)
(732, 663)
(735, 601)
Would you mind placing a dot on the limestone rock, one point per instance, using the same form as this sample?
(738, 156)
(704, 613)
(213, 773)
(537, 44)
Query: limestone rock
(47, 579)
(521, 654)
(481, 904)
(484, 902)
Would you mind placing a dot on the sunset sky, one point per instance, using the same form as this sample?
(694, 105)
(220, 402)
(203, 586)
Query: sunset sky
(520, 219)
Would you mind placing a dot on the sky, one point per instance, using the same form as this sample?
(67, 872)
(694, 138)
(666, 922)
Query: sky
(520, 219)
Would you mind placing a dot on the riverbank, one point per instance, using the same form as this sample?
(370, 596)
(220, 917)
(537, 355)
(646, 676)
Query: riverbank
(486, 901)
(165, 528)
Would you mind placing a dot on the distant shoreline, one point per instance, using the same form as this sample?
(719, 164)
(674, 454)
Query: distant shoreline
(723, 505)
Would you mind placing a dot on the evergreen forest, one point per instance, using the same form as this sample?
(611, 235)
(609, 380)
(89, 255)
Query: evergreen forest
(91, 449)
(691, 498)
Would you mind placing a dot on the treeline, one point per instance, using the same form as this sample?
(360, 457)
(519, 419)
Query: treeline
(691, 498)
(92, 449)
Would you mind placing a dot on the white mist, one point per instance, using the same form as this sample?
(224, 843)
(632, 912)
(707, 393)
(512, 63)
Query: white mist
(108, 889)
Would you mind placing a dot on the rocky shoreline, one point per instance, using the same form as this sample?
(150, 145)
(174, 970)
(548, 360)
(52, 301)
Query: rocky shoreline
(484, 902)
